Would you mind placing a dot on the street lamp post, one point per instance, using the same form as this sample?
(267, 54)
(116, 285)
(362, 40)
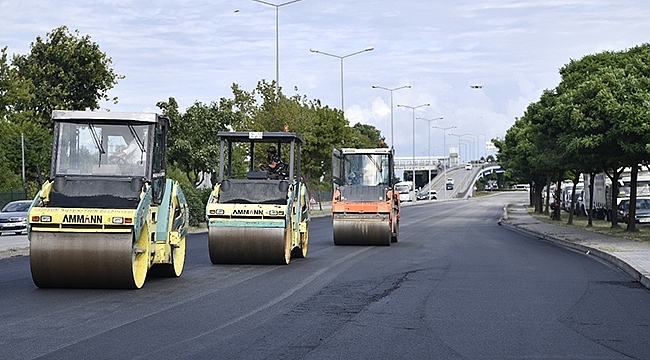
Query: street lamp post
(471, 145)
(478, 142)
(277, 39)
(444, 139)
(370, 48)
(413, 110)
(429, 146)
(484, 141)
(445, 152)
(458, 136)
(391, 106)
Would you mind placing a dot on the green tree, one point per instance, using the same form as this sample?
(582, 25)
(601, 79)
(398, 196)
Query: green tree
(14, 90)
(609, 96)
(67, 71)
(15, 123)
(366, 136)
(193, 143)
(38, 145)
(516, 154)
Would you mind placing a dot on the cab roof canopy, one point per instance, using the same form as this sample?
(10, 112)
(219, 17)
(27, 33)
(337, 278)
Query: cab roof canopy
(106, 116)
(368, 151)
(283, 137)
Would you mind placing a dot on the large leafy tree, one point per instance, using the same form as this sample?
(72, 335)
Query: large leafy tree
(609, 94)
(193, 144)
(18, 128)
(599, 116)
(366, 136)
(67, 71)
(64, 71)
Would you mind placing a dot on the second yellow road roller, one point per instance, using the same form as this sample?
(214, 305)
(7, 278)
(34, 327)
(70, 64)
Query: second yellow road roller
(257, 212)
(365, 204)
(108, 214)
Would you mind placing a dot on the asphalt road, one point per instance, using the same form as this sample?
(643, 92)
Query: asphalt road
(456, 286)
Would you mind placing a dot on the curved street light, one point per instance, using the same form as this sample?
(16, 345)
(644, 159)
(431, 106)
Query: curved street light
(277, 39)
(391, 106)
(445, 153)
(478, 141)
(458, 136)
(413, 109)
(429, 143)
(484, 141)
(444, 137)
(369, 48)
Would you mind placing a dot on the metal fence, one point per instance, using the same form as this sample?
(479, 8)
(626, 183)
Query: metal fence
(323, 196)
(12, 195)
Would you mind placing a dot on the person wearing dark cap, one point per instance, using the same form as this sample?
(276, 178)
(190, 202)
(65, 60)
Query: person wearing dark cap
(274, 165)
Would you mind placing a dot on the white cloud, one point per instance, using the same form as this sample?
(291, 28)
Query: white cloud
(196, 50)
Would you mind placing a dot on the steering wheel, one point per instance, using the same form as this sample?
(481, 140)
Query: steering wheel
(117, 160)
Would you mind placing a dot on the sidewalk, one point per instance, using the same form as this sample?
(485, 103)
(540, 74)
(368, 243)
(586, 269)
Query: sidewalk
(631, 256)
(13, 245)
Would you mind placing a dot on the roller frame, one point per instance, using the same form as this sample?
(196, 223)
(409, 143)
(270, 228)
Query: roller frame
(102, 227)
(265, 228)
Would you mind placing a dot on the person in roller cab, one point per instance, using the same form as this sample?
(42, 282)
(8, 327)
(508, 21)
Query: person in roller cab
(275, 168)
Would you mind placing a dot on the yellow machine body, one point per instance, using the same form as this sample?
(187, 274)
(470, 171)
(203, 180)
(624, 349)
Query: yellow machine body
(258, 220)
(100, 230)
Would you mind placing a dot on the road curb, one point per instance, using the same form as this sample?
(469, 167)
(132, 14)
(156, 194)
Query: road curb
(14, 252)
(581, 248)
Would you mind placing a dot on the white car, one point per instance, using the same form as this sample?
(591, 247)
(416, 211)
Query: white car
(468, 166)
(449, 185)
(13, 217)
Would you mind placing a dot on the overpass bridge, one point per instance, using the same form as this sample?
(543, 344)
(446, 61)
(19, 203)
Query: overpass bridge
(426, 167)
(464, 180)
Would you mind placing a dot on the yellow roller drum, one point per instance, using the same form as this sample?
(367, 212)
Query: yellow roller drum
(249, 245)
(87, 260)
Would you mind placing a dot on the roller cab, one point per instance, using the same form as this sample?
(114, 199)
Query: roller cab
(255, 214)
(108, 215)
(365, 205)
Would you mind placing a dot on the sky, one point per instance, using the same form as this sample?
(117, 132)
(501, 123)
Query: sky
(196, 50)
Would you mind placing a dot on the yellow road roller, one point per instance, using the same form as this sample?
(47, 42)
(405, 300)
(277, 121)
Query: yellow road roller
(257, 212)
(108, 215)
(365, 205)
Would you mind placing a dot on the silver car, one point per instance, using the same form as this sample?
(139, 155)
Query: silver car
(13, 217)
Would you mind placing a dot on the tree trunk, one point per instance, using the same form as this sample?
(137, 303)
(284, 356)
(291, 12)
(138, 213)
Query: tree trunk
(590, 212)
(631, 224)
(558, 192)
(573, 196)
(548, 193)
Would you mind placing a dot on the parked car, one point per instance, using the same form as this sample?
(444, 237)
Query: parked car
(642, 213)
(427, 195)
(13, 217)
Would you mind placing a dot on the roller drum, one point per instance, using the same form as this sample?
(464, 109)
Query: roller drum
(249, 245)
(362, 232)
(84, 260)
